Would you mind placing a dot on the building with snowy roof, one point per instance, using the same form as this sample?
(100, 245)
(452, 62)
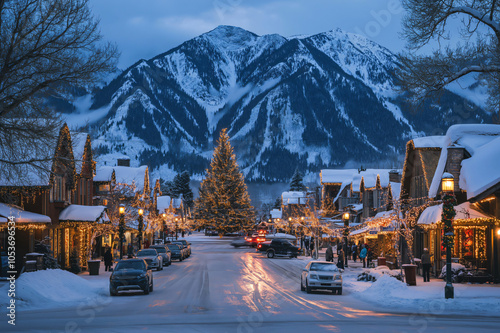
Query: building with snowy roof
(471, 153)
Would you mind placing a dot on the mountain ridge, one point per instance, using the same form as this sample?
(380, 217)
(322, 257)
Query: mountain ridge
(311, 102)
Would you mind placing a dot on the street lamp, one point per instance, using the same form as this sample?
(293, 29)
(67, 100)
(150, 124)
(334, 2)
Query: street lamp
(121, 228)
(176, 219)
(290, 225)
(141, 227)
(448, 186)
(163, 227)
(345, 217)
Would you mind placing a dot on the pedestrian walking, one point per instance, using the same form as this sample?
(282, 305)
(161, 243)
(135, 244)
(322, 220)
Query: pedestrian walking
(329, 253)
(362, 255)
(369, 256)
(340, 260)
(306, 245)
(108, 259)
(311, 247)
(354, 252)
(426, 265)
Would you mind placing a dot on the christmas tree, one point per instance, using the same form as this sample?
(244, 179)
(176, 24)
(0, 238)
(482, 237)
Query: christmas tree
(224, 203)
(181, 185)
(297, 182)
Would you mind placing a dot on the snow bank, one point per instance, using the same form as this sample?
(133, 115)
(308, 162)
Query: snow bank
(54, 288)
(424, 298)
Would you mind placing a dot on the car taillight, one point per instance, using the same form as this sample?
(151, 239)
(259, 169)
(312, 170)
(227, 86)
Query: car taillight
(259, 246)
(261, 239)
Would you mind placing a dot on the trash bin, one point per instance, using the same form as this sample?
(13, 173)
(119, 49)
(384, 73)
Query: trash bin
(381, 261)
(410, 274)
(94, 267)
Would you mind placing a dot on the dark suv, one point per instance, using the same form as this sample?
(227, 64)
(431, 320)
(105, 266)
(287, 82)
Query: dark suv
(175, 250)
(131, 274)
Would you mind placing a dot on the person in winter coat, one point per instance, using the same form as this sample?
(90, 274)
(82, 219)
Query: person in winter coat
(329, 253)
(426, 265)
(369, 256)
(362, 255)
(354, 252)
(340, 261)
(108, 259)
(306, 245)
(311, 246)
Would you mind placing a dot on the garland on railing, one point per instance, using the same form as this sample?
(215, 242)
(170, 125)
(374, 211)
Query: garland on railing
(447, 216)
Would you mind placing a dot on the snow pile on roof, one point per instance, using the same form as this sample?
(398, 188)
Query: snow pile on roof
(78, 141)
(337, 176)
(163, 203)
(471, 137)
(80, 213)
(396, 190)
(20, 215)
(346, 177)
(176, 202)
(429, 141)
(482, 170)
(294, 198)
(124, 175)
(464, 211)
(276, 214)
(280, 236)
(52, 288)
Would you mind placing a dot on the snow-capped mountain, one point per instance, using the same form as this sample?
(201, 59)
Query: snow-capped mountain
(309, 102)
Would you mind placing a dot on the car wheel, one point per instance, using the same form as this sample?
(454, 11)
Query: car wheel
(159, 268)
(308, 289)
(151, 287)
(339, 291)
(146, 290)
(302, 285)
(112, 292)
(270, 254)
(180, 259)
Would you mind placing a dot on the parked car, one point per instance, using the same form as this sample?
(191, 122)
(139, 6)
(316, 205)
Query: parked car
(187, 245)
(279, 248)
(131, 274)
(152, 257)
(183, 247)
(241, 242)
(164, 252)
(176, 251)
(323, 275)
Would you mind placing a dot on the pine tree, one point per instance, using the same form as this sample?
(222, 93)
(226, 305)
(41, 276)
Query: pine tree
(297, 182)
(184, 189)
(224, 203)
(277, 203)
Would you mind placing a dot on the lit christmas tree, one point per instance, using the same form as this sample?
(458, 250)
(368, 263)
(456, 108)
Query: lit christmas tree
(224, 203)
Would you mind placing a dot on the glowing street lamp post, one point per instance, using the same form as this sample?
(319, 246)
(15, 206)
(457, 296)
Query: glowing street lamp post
(448, 188)
(121, 228)
(176, 219)
(346, 216)
(163, 227)
(141, 227)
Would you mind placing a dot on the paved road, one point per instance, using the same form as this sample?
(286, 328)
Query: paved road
(221, 289)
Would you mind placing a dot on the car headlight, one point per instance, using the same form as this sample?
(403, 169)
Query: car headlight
(337, 277)
(143, 275)
(314, 276)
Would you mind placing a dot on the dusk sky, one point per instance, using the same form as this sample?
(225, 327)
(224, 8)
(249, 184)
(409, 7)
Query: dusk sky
(143, 29)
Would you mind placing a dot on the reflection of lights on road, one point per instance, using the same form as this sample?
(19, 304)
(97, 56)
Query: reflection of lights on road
(158, 303)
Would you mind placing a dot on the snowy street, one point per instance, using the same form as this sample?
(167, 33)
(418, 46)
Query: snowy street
(221, 289)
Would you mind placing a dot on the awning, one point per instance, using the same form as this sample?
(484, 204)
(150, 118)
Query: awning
(464, 211)
(80, 213)
(20, 215)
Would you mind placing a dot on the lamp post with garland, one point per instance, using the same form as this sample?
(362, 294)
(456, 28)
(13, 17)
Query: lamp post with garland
(449, 202)
(176, 226)
(346, 217)
(163, 226)
(121, 228)
(141, 227)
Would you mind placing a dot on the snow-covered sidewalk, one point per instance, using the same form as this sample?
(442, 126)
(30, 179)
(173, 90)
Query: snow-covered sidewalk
(424, 298)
